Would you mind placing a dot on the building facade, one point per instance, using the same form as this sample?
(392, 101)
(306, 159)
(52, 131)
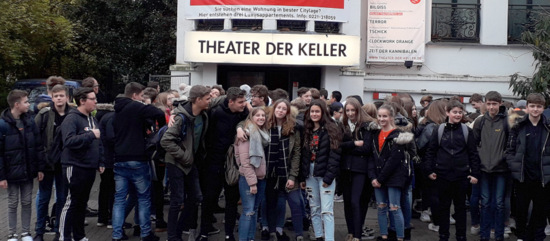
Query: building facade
(370, 48)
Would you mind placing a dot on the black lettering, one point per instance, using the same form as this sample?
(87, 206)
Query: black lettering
(342, 50)
(288, 48)
(208, 47)
(325, 52)
(221, 47)
(270, 48)
(333, 50)
(246, 48)
(318, 50)
(311, 49)
(230, 48)
(239, 46)
(280, 49)
(255, 47)
(202, 45)
(301, 49)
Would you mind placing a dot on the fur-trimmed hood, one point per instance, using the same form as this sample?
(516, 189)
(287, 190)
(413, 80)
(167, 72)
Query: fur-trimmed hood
(107, 107)
(404, 138)
(515, 117)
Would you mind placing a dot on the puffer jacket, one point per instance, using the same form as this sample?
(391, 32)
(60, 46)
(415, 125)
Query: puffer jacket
(21, 152)
(179, 151)
(515, 151)
(455, 158)
(251, 173)
(327, 162)
(356, 158)
(388, 166)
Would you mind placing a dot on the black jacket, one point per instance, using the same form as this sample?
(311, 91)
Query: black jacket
(130, 125)
(46, 123)
(80, 147)
(455, 158)
(21, 151)
(388, 166)
(106, 115)
(515, 151)
(222, 128)
(491, 135)
(327, 161)
(356, 158)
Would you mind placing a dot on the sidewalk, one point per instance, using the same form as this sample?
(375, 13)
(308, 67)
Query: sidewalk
(95, 233)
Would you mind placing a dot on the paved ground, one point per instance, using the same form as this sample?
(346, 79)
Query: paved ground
(95, 233)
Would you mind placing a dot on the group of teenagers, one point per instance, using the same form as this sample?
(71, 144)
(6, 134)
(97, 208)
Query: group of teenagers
(301, 152)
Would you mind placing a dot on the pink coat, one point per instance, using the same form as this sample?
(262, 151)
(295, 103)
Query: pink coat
(251, 173)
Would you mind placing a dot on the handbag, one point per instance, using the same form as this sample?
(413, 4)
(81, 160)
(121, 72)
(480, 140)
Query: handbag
(231, 168)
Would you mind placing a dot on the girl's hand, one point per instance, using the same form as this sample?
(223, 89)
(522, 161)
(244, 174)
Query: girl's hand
(358, 143)
(473, 180)
(289, 184)
(253, 189)
(433, 176)
(325, 185)
(376, 184)
(303, 185)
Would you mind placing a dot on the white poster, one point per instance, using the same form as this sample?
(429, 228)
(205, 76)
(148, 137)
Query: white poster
(396, 30)
(318, 10)
(269, 48)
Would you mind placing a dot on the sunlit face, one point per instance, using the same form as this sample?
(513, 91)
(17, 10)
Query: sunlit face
(455, 115)
(315, 113)
(259, 118)
(203, 102)
(338, 114)
(307, 97)
(534, 110)
(214, 93)
(351, 113)
(414, 112)
(237, 105)
(281, 111)
(384, 118)
(59, 98)
(492, 107)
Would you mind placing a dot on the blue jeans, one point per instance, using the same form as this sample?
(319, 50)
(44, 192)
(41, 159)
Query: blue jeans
(138, 175)
(391, 195)
(321, 202)
(281, 209)
(475, 197)
(493, 193)
(275, 201)
(43, 199)
(406, 206)
(250, 203)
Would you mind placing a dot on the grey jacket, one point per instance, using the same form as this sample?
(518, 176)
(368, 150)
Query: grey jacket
(491, 135)
(179, 152)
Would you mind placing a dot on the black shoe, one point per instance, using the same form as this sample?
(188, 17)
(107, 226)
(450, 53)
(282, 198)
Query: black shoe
(202, 238)
(219, 209)
(151, 237)
(124, 236)
(379, 238)
(90, 212)
(38, 237)
(407, 234)
(161, 226)
(117, 239)
(229, 238)
(320, 239)
(126, 225)
(137, 231)
(415, 215)
(282, 236)
(56, 237)
(392, 235)
(461, 238)
(265, 234)
(211, 230)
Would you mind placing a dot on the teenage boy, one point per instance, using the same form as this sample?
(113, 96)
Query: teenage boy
(223, 117)
(182, 153)
(452, 162)
(131, 165)
(491, 133)
(48, 121)
(82, 155)
(529, 164)
(20, 161)
(259, 96)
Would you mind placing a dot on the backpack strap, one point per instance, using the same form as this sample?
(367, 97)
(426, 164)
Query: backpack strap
(465, 132)
(183, 126)
(440, 132)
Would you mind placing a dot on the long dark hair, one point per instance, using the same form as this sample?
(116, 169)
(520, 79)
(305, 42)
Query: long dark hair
(326, 122)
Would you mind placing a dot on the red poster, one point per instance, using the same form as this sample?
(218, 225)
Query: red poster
(293, 3)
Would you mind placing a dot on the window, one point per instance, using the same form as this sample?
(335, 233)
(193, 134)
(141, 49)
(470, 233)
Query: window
(327, 27)
(246, 24)
(522, 15)
(455, 20)
(291, 25)
(210, 24)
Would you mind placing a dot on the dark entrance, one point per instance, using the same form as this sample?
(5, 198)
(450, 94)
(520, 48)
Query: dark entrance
(273, 77)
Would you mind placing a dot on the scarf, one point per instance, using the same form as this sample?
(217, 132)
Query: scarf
(258, 140)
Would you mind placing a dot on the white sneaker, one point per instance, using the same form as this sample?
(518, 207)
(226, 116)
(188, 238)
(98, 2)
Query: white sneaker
(508, 230)
(475, 230)
(26, 237)
(84, 239)
(433, 227)
(547, 230)
(452, 221)
(429, 211)
(512, 223)
(12, 237)
(425, 217)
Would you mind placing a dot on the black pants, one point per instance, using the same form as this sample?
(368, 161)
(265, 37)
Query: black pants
(452, 192)
(157, 193)
(79, 182)
(106, 196)
(527, 192)
(184, 193)
(357, 192)
(212, 180)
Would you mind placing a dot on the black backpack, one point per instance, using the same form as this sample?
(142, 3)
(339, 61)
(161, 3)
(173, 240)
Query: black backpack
(153, 149)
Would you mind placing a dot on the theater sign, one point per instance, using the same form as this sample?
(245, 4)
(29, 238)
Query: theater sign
(318, 10)
(268, 48)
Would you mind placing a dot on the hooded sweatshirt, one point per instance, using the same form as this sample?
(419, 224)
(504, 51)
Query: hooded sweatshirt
(80, 146)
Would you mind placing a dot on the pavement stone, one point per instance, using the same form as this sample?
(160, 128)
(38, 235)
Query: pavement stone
(94, 233)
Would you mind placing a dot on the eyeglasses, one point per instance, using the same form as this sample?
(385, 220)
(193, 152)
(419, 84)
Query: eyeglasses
(95, 86)
(256, 96)
(91, 98)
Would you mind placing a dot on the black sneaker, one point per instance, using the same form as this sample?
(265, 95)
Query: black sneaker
(161, 226)
(282, 236)
(150, 237)
(265, 234)
(229, 238)
(211, 230)
(124, 236)
(38, 237)
(202, 238)
(127, 225)
(137, 231)
(90, 212)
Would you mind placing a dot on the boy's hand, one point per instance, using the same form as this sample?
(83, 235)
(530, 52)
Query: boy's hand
(358, 143)
(4, 184)
(376, 184)
(433, 176)
(101, 170)
(473, 180)
(241, 135)
(96, 133)
(40, 176)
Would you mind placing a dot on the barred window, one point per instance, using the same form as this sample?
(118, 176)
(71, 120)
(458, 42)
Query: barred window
(455, 20)
(291, 25)
(522, 15)
(327, 27)
(246, 24)
(209, 24)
